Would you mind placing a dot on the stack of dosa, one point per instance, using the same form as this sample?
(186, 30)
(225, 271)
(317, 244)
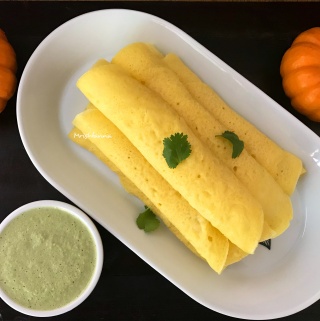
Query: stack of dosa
(147, 65)
(285, 167)
(198, 234)
(218, 206)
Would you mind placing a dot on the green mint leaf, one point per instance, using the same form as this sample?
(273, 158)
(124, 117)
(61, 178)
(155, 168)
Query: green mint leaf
(176, 149)
(237, 144)
(147, 220)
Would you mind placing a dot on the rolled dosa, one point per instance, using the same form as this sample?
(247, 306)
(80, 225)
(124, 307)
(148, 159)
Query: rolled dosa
(145, 64)
(285, 167)
(133, 169)
(202, 179)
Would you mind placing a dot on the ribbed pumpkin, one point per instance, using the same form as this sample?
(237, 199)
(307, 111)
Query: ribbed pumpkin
(8, 67)
(300, 71)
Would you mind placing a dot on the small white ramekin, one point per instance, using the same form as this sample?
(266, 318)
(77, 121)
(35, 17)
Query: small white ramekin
(96, 274)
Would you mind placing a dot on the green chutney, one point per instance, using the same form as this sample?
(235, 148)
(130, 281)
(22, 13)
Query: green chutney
(47, 258)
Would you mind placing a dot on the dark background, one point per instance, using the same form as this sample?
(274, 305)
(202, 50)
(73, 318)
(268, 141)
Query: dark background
(250, 37)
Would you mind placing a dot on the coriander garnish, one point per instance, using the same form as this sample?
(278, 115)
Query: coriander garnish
(147, 220)
(176, 149)
(237, 144)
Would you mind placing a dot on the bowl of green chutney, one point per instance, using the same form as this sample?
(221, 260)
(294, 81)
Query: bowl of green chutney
(51, 258)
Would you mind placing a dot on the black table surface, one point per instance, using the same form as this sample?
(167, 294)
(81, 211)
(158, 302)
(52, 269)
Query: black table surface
(250, 37)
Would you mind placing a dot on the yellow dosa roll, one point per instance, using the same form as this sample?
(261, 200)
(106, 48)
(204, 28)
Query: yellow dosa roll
(78, 137)
(145, 64)
(285, 167)
(122, 157)
(234, 253)
(145, 119)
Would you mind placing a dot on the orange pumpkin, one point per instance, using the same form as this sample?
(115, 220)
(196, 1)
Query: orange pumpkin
(300, 71)
(8, 68)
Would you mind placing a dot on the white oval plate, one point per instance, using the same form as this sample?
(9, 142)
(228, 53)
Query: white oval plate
(270, 284)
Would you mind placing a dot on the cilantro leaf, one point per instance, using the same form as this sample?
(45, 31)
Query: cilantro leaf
(237, 144)
(176, 149)
(147, 220)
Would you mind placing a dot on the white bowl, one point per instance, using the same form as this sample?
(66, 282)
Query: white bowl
(99, 256)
